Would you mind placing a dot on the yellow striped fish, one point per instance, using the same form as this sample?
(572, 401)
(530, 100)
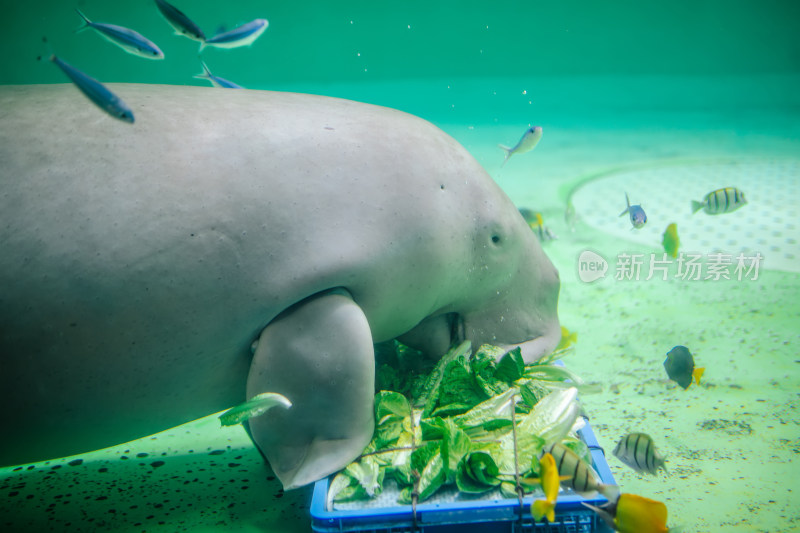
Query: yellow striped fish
(725, 200)
(670, 240)
(549, 482)
(638, 452)
(581, 477)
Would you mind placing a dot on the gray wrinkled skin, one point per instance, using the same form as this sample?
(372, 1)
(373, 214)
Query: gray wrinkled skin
(140, 262)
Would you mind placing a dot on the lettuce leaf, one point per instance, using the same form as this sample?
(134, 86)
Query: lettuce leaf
(461, 417)
(477, 472)
(429, 394)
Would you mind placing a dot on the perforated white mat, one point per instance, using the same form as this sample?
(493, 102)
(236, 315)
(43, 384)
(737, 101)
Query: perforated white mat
(768, 224)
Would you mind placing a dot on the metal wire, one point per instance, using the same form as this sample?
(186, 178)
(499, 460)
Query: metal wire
(518, 487)
(415, 492)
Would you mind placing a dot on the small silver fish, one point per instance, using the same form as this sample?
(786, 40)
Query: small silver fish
(582, 477)
(132, 42)
(178, 20)
(96, 92)
(638, 451)
(637, 214)
(570, 216)
(725, 200)
(244, 35)
(527, 143)
(216, 81)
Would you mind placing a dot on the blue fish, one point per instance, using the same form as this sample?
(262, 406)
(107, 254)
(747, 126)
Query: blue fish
(96, 92)
(244, 35)
(129, 40)
(182, 24)
(216, 81)
(638, 217)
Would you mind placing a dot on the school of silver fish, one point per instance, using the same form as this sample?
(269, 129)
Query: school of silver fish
(137, 44)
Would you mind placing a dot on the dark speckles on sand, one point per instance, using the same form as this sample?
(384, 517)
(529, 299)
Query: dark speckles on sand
(731, 427)
(75, 462)
(137, 490)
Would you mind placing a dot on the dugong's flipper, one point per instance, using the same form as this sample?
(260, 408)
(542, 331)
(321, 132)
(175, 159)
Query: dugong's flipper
(318, 354)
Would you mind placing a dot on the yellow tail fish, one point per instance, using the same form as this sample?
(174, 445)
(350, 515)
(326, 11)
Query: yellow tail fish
(633, 514)
(680, 368)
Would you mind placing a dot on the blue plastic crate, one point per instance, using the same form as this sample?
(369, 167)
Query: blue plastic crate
(450, 512)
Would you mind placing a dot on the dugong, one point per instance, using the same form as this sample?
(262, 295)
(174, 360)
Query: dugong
(231, 243)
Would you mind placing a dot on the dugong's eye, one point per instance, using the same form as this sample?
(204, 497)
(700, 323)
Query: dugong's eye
(496, 238)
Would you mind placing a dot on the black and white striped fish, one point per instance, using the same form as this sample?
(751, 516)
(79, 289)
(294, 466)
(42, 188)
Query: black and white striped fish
(638, 451)
(582, 477)
(725, 200)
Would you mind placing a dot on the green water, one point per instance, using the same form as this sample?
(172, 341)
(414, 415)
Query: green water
(615, 85)
(366, 41)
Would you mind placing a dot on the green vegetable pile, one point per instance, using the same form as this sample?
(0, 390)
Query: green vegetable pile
(473, 421)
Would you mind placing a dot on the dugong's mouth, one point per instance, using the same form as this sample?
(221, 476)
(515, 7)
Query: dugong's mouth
(437, 334)
(532, 349)
(457, 331)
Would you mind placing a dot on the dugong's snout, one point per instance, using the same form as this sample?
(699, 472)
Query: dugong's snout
(544, 318)
(522, 314)
(521, 311)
